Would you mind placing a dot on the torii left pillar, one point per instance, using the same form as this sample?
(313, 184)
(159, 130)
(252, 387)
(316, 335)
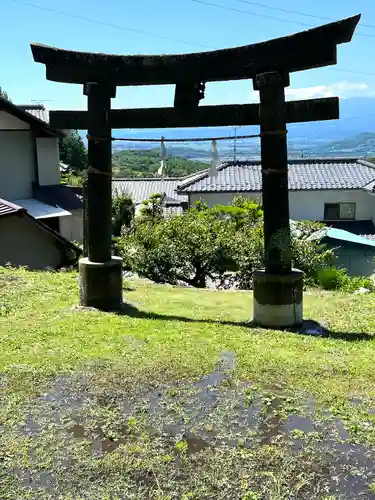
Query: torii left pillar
(100, 273)
(277, 300)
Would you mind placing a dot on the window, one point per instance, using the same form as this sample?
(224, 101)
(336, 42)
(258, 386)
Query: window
(339, 211)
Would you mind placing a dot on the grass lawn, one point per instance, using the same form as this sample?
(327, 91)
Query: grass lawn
(179, 399)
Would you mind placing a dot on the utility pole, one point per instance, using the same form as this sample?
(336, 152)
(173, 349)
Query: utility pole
(235, 145)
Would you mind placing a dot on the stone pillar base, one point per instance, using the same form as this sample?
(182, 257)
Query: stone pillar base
(277, 299)
(101, 284)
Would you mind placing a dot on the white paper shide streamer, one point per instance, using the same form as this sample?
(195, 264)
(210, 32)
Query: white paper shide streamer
(164, 155)
(215, 161)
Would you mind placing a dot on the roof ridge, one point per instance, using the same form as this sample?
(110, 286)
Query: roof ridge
(350, 167)
(132, 179)
(311, 159)
(366, 163)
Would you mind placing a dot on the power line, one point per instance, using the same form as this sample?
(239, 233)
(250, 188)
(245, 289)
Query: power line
(188, 139)
(240, 11)
(134, 30)
(288, 11)
(265, 16)
(365, 73)
(109, 25)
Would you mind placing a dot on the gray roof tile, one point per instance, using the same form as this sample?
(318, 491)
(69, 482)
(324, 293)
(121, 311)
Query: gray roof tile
(304, 174)
(140, 189)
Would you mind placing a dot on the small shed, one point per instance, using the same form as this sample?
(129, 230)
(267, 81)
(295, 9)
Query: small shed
(354, 252)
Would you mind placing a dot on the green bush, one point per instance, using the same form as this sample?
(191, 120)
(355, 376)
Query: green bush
(122, 213)
(152, 208)
(189, 247)
(355, 282)
(332, 278)
(308, 253)
(207, 243)
(248, 253)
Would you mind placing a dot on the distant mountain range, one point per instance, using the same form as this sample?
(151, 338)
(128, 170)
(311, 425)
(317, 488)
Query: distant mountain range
(352, 135)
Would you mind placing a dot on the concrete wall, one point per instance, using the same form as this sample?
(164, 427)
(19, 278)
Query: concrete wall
(357, 259)
(304, 205)
(48, 160)
(24, 243)
(371, 202)
(17, 164)
(9, 122)
(71, 227)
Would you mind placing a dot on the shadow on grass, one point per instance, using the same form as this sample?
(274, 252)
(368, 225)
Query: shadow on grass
(132, 311)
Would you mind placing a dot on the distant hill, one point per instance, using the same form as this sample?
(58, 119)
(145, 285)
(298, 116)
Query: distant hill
(359, 145)
(146, 164)
(334, 137)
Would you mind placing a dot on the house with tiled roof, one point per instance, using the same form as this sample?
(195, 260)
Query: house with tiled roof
(32, 198)
(321, 189)
(337, 191)
(141, 188)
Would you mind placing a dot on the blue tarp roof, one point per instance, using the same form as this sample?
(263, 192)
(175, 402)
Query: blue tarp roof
(340, 234)
(335, 234)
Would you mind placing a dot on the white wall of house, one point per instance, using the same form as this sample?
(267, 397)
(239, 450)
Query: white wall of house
(48, 160)
(17, 164)
(309, 205)
(71, 227)
(24, 243)
(9, 122)
(304, 205)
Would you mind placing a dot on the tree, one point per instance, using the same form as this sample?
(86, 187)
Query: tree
(4, 95)
(152, 209)
(145, 163)
(73, 152)
(216, 243)
(122, 213)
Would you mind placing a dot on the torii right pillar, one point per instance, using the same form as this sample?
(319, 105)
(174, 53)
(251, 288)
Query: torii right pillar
(278, 289)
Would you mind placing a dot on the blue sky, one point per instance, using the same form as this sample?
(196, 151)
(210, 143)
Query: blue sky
(24, 21)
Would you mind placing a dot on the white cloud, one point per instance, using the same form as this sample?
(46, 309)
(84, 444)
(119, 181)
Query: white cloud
(340, 89)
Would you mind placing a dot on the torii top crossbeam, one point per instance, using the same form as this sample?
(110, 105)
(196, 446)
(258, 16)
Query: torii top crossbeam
(305, 50)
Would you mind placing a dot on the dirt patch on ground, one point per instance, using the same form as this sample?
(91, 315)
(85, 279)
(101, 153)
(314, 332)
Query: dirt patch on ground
(209, 438)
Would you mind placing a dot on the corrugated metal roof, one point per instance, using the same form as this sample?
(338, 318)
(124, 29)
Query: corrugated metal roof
(140, 189)
(37, 110)
(42, 114)
(8, 208)
(40, 210)
(304, 174)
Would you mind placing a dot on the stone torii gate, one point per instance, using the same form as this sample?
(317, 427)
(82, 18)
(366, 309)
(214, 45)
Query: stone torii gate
(277, 288)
